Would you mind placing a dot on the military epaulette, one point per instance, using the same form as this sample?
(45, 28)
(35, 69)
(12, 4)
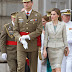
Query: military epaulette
(11, 36)
(19, 13)
(36, 11)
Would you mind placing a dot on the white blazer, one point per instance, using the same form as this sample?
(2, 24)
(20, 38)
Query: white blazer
(56, 39)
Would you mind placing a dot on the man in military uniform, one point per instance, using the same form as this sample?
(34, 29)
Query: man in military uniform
(67, 60)
(27, 28)
(8, 44)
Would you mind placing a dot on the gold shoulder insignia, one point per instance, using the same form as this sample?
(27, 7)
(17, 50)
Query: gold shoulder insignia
(11, 36)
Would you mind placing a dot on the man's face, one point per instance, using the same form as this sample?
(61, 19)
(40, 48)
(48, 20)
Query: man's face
(13, 19)
(28, 5)
(66, 18)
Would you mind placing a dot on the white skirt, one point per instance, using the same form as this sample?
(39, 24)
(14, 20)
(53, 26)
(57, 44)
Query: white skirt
(41, 67)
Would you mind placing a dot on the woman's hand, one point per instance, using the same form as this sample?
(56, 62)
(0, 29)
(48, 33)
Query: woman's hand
(45, 53)
(66, 51)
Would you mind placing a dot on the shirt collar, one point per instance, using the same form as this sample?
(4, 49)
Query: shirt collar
(29, 12)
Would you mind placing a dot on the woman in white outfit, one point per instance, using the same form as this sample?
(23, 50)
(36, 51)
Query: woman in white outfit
(42, 64)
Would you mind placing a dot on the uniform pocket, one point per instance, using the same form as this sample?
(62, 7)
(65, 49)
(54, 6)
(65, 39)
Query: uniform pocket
(20, 22)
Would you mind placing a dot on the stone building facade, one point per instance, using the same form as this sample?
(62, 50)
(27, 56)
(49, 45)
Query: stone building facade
(9, 6)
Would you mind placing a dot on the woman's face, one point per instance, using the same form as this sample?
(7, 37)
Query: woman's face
(54, 16)
(44, 21)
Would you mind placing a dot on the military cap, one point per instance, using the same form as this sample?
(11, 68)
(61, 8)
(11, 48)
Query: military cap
(26, 0)
(49, 12)
(14, 14)
(66, 11)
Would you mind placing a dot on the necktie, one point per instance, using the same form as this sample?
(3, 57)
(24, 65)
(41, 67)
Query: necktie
(27, 14)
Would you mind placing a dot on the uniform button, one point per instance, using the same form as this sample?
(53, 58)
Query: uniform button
(26, 23)
(27, 28)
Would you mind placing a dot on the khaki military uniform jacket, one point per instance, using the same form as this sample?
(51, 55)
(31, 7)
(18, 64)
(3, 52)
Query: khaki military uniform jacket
(7, 35)
(33, 25)
(56, 39)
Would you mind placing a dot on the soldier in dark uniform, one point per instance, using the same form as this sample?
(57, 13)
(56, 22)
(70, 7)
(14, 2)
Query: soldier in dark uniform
(27, 28)
(9, 45)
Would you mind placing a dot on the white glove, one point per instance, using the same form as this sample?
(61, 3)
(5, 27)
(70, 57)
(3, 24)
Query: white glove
(25, 44)
(4, 56)
(20, 39)
(23, 41)
(25, 37)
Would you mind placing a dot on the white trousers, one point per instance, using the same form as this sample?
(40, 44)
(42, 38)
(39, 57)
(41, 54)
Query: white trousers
(63, 65)
(69, 59)
(39, 66)
(69, 65)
